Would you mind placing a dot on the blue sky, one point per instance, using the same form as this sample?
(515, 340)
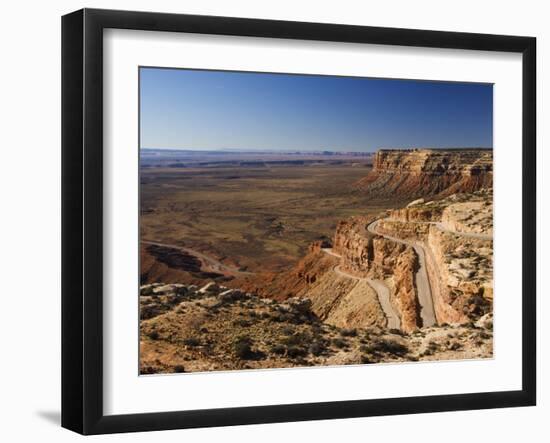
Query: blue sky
(194, 109)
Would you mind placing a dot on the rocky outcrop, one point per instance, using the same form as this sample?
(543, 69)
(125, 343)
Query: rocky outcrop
(354, 245)
(281, 286)
(462, 271)
(396, 263)
(368, 256)
(428, 172)
(189, 328)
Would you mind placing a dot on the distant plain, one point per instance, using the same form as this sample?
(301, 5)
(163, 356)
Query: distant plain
(257, 216)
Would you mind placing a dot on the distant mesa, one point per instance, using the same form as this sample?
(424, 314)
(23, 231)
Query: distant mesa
(413, 173)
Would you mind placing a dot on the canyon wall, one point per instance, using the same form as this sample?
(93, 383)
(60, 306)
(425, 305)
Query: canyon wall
(456, 234)
(369, 256)
(352, 242)
(421, 172)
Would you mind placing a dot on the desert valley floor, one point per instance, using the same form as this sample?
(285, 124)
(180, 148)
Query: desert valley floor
(273, 261)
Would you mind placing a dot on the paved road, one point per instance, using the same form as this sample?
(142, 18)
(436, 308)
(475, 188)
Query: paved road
(382, 291)
(422, 281)
(212, 263)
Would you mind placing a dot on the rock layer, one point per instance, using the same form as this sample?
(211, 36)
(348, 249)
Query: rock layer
(421, 172)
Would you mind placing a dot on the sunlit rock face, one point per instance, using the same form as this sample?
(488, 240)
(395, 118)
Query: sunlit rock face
(428, 172)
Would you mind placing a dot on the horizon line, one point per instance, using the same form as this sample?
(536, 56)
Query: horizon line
(320, 150)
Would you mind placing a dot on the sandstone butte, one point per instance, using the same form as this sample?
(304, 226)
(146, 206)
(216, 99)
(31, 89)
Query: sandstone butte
(412, 283)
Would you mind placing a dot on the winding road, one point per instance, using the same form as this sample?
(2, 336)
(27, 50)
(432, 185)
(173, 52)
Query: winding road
(424, 291)
(382, 291)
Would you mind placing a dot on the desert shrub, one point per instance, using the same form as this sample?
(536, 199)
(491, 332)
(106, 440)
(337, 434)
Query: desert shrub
(483, 335)
(296, 339)
(295, 351)
(287, 317)
(181, 291)
(366, 348)
(196, 322)
(234, 296)
(243, 348)
(299, 319)
(191, 341)
(390, 347)
(339, 343)
(398, 332)
(153, 335)
(283, 317)
(317, 348)
(348, 332)
(365, 360)
(147, 290)
(173, 301)
(317, 328)
(455, 346)
(242, 323)
(278, 349)
(433, 345)
(179, 369)
(226, 299)
(479, 305)
(153, 310)
(287, 330)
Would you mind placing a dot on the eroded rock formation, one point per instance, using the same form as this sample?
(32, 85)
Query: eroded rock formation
(421, 172)
(456, 233)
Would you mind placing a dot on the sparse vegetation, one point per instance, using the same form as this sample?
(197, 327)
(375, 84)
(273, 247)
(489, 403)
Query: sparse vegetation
(317, 348)
(243, 348)
(192, 341)
(153, 335)
(389, 346)
(348, 332)
(196, 335)
(339, 343)
(455, 346)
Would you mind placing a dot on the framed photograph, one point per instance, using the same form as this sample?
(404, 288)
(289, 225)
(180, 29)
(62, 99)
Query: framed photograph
(268, 221)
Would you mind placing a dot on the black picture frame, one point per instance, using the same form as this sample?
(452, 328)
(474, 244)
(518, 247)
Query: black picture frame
(82, 216)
